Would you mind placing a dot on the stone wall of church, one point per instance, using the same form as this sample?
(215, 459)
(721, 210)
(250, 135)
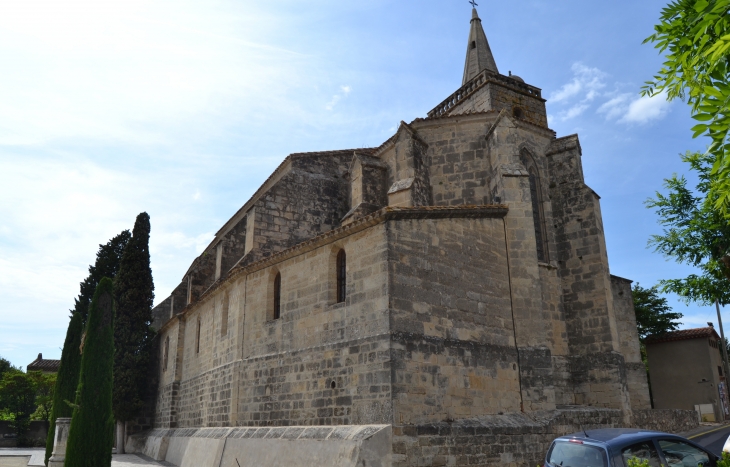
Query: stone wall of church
(454, 354)
(501, 92)
(311, 199)
(636, 376)
(598, 368)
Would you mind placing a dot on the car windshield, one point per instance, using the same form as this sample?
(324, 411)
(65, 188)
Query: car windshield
(572, 454)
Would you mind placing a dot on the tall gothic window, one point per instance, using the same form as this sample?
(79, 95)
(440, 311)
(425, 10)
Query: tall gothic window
(224, 314)
(166, 353)
(537, 211)
(197, 339)
(277, 296)
(341, 276)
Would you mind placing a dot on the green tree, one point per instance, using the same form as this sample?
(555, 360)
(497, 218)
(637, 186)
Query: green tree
(133, 334)
(67, 380)
(695, 233)
(5, 365)
(91, 435)
(18, 397)
(45, 384)
(107, 262)
(654, 316)
(695, 35)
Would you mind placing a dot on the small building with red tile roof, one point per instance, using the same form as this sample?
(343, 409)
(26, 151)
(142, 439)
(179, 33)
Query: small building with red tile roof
(686, 372)
(44, 365)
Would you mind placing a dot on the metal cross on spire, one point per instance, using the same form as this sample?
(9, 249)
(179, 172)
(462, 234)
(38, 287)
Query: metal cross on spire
(473, 3)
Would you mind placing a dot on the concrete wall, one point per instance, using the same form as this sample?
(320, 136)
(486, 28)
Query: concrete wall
(685, 373)
(342, 446)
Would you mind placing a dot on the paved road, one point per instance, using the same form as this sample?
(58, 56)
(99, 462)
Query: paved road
(713, 440)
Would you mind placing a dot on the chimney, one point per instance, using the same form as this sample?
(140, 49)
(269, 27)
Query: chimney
(710, 324)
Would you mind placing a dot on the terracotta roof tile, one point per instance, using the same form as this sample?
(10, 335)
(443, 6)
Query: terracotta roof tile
(684, 334)
(41, 364)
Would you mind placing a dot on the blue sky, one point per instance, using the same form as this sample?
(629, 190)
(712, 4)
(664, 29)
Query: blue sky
(183, 108)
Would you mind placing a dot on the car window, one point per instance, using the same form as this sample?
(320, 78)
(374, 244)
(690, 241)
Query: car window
(642, 451)
(576, 454)
(678, 453)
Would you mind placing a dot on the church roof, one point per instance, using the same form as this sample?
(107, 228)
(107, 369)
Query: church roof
(478, 54)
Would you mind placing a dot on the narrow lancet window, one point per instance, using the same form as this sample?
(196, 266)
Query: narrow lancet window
(197, 339)
(166, 353)
(537, 217)
(277, 296)
(341, 276)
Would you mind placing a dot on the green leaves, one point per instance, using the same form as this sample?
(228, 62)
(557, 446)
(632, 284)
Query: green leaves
(695, 232)
(653, 314)
(696, 34)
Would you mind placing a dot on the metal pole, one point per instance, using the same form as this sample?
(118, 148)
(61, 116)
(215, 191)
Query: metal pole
(722, 344)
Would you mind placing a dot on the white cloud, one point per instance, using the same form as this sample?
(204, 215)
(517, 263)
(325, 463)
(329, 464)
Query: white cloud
(344, 92)
(586, 82)
(584, 88)
(630, 108)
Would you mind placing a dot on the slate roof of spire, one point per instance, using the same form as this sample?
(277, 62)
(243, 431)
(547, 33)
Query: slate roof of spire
(478, 54)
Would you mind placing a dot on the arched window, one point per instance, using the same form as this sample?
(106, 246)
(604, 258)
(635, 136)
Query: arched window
(341, 276)
(166, 353)
(224, 315)
(197, 339)
(277, 296)
(538, 217)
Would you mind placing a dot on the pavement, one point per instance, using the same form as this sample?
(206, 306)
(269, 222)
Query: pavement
(18, 457)
(710, 436)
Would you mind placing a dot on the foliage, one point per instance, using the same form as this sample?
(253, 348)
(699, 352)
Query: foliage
(695, 34)
(107, 263)
(134, 295)
(695, 233)
(44, 384)
(724, 461)
(636, 462)
(68, 379)
(18, 396)
(5, 365)
(91, 435)
(653, 315)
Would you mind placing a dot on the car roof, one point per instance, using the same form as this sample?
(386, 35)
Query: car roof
(615, 436)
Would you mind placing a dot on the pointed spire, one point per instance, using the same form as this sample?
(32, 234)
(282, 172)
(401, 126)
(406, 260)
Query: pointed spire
(478, 54)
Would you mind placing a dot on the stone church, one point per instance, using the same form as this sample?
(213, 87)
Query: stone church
(442, 299)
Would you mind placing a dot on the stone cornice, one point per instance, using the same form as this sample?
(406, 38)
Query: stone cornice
(379, 217)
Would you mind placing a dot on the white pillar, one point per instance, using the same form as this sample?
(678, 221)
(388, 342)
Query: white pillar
(59, 442)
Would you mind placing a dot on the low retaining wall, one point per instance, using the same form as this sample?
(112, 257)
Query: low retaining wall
(342, 446)
(516, 439)
(669, 420)
(36, 435)
(501, 440)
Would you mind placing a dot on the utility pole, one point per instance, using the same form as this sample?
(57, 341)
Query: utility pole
(724, 347)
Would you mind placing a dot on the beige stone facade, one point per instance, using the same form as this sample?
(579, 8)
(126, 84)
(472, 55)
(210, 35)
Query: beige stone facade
(476, 279)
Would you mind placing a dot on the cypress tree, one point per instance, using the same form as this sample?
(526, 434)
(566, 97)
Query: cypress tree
(107, 264)
(133, 294)
(68, 379)
(91, 434)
